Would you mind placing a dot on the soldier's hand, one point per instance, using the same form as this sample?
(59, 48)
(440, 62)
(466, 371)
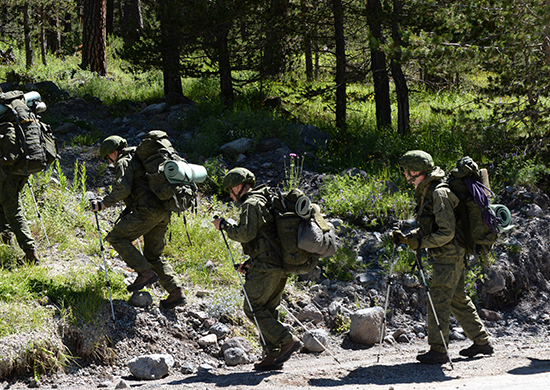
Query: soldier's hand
(96, 205)
(399, 238)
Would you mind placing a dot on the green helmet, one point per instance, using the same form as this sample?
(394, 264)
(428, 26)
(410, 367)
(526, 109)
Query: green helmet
(238, 176)
(110, 144)
(417, 161)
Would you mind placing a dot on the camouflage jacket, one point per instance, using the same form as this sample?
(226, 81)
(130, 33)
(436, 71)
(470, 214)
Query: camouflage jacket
(131, 185)
(255, 217)
(436, 216)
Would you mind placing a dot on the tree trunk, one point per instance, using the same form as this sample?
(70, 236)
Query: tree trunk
(401, 89)
(27, 31)
(43, 41)
(378, 65)
(305, 9)
(53, 36)
(94, 37)
(132, 21)
(226, 82)
(109, 16)
(341, 97)
(546, 43)
(170, 51)
(274, 57)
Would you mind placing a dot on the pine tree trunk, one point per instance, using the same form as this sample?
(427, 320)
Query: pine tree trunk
(401, 89)
(29, 54)
(94, 37)
(341, 97)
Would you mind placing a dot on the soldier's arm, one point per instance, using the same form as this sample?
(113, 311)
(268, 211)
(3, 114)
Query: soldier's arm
(444, 203)
(124, 175)
(248, 226)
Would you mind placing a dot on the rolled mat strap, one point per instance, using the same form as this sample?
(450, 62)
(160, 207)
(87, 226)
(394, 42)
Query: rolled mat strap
(504, 217)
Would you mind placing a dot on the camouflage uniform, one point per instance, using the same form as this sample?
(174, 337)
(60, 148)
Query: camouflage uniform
(436, 231)
(147, 217)
(265, 279)
(12, 216)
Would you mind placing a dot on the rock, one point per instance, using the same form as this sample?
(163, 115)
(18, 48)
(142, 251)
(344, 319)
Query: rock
(220, 330)
(141, 299)
(235, 356)
(104, 384)
(410, 281)
(155, 109)
(208, 340)
(206, 367)
(490, 315)
(312, 339)
(122, 385)
(534, 210)
(188, 368)
(268, 144)
(310, 313)
(495, 282)
(237, 342)
(239, 146)
(366, 325)
(313, 137)
(151, 366)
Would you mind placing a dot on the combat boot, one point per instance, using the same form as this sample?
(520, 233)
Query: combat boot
(176, 298)
(433, 357)
(143, 279)
(288, 349)
(476, 349)
(31, 256)
(268, 364)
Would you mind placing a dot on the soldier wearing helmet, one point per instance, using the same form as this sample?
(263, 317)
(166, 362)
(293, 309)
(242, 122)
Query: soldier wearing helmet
(436, 205)
(265, 277)
(145, 215)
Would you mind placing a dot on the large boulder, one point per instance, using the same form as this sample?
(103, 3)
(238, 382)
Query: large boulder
(366, 325)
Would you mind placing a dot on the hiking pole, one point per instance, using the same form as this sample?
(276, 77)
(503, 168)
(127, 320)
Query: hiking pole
(242, 284)
(421, 270)
(383, 331)
(39, 215)
(306, 329)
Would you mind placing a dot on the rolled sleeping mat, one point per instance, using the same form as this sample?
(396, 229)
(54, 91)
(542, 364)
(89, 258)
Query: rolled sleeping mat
(504, 217)
(31, 98)
(303, 207)
(182, 172)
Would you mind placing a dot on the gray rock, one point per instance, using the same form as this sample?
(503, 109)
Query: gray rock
(122, 385)
(310, 313)
(366, 325)
(141, 299)
(534, 210)
(410, 281)
(104, 384)
(220, 330)
(155, 109)
(312, 339)
(208, 340)
(237, 342)
(153, 366)
(235, 356)
(495, 282)
(313, 137)
(239, 146)
(188, 368)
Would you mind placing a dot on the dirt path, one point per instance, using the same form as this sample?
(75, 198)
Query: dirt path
(517, 364)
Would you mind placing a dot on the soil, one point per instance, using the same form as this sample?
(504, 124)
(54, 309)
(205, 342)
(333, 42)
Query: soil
(518, 316)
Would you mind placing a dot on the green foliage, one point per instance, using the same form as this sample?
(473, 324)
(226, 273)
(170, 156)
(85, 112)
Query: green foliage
(342, 324)
(293, 171)
(226, 302)
(216, 173)
(356, 197)
(341, 265)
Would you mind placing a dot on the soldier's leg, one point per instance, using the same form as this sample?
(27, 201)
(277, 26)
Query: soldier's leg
(14, 216)
(128, 229)
(465, 312)
(264, 286)
(154, 242)
(442, 290)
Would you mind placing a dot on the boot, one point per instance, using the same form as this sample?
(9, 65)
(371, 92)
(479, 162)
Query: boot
(143, 279)
(268, 364)
(288, 349)
(433, 357)
(31, 256)
(476, 349)
(176, 298)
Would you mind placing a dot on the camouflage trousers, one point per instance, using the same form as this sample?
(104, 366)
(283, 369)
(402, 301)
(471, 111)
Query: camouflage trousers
(152, 225)
(264, 286)
(448, 295)
(12, 215)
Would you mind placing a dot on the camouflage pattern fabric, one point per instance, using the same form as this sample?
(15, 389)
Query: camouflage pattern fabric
(12, 215)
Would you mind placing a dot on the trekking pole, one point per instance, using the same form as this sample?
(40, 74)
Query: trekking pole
(383, 331)
(104, 264)
(421, 270)
(242, 284)
(39, 215)
(306, 329)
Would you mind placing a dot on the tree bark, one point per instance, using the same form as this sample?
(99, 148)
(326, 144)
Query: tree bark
(274, 57)
(94, 37)
(341, 97)
(401, 89)
(29, 54)
(132, 21)
(378, 65)
(226, 81)
(43, 41)
(170, 52)
(109, 16)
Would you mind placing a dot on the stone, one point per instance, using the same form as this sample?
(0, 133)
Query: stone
(122, 385)
(316, 340)
(313, 137)
(220, 330)
(310, 313)
(490, 315)
(188, 368)
(153, 366)
(534, 210)
(235, 356)
(366, 325)
(141, 299)
(237, 342)
(155, 109)
(239, 146)
(208, 340)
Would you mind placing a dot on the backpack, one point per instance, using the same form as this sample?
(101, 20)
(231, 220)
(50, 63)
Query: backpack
(156, 153)
(303, 233)
(478, 223)
(27, 145)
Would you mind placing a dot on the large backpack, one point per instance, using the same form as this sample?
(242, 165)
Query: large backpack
(303, 233)
(478, 222)
(156, 151)
(27, 145)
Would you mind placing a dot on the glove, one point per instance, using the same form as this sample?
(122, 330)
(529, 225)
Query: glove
(96, 205)
(399, 238)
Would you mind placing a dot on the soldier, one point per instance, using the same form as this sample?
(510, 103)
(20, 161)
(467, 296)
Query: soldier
(436, 232)
(12, 216)
(265, 278)
(145, 215)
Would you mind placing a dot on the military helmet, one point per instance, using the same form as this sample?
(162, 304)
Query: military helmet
(238, 176)
(417, 161)
(110, 144)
